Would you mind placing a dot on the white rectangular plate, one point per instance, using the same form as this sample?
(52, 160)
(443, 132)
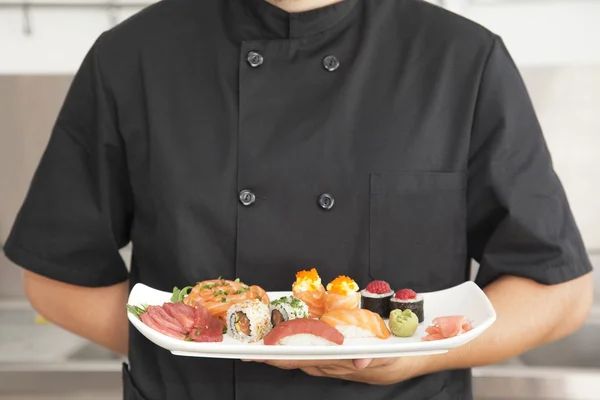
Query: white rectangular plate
(465, 299)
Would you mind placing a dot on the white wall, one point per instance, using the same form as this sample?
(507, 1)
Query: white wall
(556, 43)
(537, 32)
(59, 40)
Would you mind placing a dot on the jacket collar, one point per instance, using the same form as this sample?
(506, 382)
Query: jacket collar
(283, 24)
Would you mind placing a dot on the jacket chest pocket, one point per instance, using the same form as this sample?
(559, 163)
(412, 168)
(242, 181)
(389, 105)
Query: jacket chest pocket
(417, 232)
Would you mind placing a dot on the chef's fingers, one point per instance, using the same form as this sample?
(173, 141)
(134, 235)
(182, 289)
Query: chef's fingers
(378, 362)
(299, 364)
(357, 367)
(362, 363)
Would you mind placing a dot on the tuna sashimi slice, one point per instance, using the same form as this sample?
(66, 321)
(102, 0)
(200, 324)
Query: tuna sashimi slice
(157, 326)
(185, 309)
(181, 316)
(164, 319)
(300, 326)
(207, 328)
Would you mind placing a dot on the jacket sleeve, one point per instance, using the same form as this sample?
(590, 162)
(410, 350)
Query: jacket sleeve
(519, 219)
(78, 209)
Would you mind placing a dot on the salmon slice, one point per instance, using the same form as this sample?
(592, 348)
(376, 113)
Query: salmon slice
(334, 301)
(361, 318)
(217, 295)
(314, 299)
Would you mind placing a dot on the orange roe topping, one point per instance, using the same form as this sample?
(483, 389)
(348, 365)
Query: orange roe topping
(342, 285)
(307, 280)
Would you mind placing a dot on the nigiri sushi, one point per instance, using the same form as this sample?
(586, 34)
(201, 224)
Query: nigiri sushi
(310, 290)
(342, 294)
(357, 323)
(303, 332)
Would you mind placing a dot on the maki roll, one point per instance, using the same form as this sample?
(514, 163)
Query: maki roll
(376, 298)
(407, 299)
(287, 308)
(248, 321)
(309, 289)
(342, 294)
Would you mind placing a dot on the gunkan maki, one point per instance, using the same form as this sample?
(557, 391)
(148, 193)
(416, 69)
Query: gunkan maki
(407, 299)
(376, 298)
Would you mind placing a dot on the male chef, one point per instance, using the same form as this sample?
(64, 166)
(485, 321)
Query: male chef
(379, 139)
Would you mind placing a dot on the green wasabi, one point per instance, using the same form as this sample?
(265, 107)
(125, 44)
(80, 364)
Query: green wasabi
(403, 323)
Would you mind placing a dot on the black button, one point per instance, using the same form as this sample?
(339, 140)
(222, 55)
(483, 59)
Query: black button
(331, 63)
(255, 59)
(247, 198)
(326, 201)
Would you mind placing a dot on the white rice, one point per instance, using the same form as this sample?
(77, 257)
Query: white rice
(305, 339)
(352, 331)
(415, 300)
(365, 293)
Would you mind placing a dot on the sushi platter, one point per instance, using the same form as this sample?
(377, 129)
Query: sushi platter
(222, 318)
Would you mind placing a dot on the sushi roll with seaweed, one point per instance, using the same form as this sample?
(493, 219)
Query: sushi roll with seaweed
(248, 321)
(376, 298)
(287, 308)
(407, 299)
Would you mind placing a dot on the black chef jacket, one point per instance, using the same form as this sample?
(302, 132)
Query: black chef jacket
(381, 139)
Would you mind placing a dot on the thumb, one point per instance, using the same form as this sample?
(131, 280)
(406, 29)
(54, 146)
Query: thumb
(362, 363)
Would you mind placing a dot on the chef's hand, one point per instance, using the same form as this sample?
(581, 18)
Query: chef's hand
(378, 371)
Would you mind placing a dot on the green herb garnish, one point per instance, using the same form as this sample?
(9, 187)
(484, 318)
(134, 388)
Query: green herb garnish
(136, 310)
(242, 290)
(179, 295)
(209, 286)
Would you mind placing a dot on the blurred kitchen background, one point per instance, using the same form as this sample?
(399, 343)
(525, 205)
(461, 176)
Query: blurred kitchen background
(556, 44)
